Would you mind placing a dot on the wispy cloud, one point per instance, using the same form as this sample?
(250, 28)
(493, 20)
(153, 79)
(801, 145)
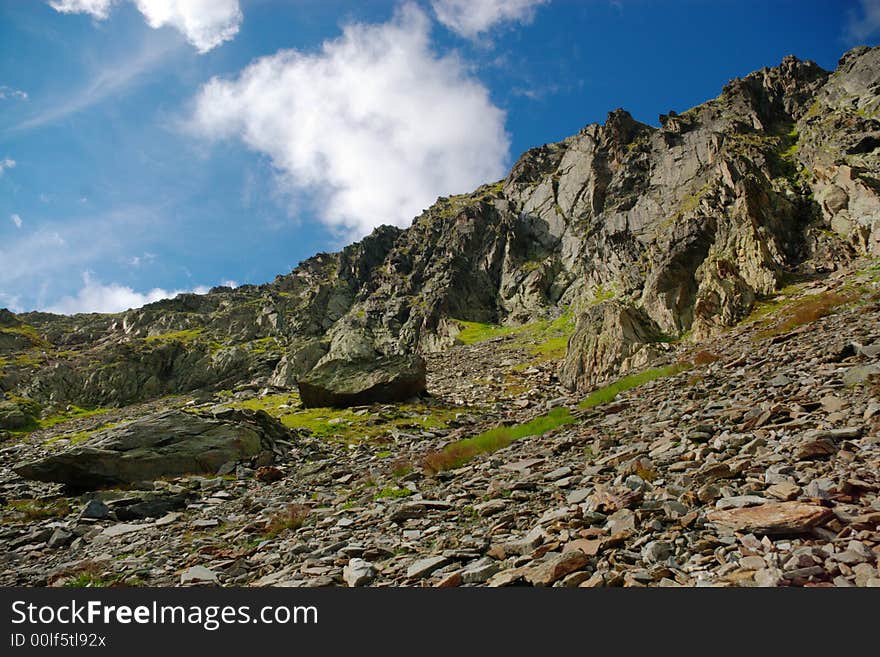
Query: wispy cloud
(111, 81)
(16, 219)
(863, 22)
(8, 93)
(50, 251)
(6, 163)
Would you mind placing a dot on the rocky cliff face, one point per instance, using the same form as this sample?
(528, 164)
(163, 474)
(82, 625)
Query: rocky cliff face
(645, 234)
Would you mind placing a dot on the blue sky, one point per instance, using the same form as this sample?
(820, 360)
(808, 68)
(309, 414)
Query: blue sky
(154, 146)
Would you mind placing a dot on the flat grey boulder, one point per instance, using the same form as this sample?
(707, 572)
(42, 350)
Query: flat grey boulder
(342, 383)
(167, 444)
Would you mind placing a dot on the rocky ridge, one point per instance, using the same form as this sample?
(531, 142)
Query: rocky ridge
(643, 234)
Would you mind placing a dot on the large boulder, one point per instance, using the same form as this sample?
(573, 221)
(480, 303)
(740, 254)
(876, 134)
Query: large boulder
(167, 444)
(17, 416)
(343, 383)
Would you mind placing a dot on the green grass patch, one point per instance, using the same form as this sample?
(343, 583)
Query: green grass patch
(474, 332)
(88, 580)
(73, 413)
(33, 510)
(458, 453)
(351, 425)
(609, 393)
(185, 336)
(28, 332)
(544, 339)
(263, 345)
(81, 436)
(393, 493)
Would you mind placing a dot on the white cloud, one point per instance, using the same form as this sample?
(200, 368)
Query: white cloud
(9, 92)
(16, 219)
(375, 122)
(100, 9)
(865, 23)
(205, 23)
(137, 261)
(469, 18)
(95, 297)
(6, 163)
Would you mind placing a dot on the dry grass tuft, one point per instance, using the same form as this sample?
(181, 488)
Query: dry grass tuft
(292, 517)
(807, 310)
(705, 358)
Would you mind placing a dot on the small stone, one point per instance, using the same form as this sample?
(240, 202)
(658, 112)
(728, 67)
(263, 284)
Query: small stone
(849, 557)
(557, 567)
(657, 551)
(508, 577)
(860, 374)
(596, 580)
(205, 522)
(779, 381)
(815, 449)
(424, 567)
(767, 577)
(589, 547)
(120, 529)
(451, 580)
(358, 572)
(479, 571)
(575, 579)
(822, 489)
(578, 496)
(490, 508)
(619, 521)
(198, 575)
(740, 502)
(784, 491)
(558, 473)
(832, 403)
(95, 510)
(168, 518)
(752, 563)
(60, 537)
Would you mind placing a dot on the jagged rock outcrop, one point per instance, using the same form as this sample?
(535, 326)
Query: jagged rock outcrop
(166, 444)
(683, 226)
(609, 338)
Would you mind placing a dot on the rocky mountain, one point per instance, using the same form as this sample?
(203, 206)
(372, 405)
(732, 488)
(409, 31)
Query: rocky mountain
(500, 331)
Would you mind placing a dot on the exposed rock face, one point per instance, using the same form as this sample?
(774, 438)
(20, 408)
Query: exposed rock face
(366, 381)
(609, 338)
(682, 226)
(166, 444)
